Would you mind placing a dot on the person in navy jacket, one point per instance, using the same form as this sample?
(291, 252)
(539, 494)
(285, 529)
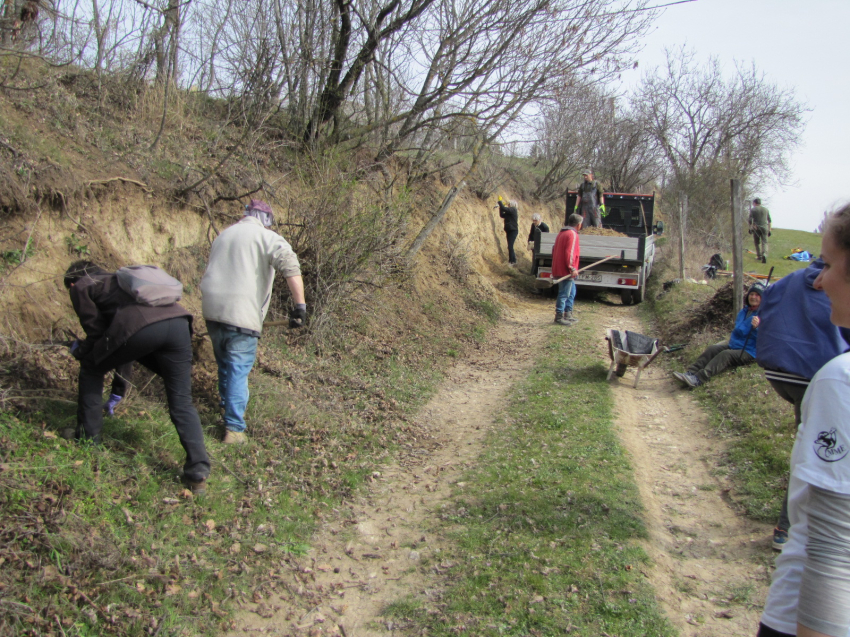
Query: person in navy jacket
(796, 339)
(740, 349)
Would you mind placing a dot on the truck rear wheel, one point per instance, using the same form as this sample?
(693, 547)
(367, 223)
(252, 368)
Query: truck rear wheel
(637, 295)
(626, 296)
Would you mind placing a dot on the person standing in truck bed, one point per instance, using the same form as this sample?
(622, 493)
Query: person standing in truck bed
(590, 200)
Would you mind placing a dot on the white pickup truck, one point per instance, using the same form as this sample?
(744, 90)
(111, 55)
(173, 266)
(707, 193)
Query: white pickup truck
(634, 254)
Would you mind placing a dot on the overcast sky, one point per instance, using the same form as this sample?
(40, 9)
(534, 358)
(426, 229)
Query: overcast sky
(798, 44)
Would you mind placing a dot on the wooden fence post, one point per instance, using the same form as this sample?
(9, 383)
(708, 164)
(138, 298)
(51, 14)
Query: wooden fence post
(737, 247)
(683, 219)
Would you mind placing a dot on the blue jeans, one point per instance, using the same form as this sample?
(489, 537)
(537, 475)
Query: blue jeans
(566, 295)
(235, 353)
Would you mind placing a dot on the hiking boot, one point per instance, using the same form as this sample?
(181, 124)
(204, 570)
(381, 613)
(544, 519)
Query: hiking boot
(235, 438)
(198, 489)
(692, 379)
(559, 316)
(681, 378)
(569, 316)
(780, 537)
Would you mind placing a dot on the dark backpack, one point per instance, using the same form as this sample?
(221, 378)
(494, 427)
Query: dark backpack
(149, 285)
(717, 261)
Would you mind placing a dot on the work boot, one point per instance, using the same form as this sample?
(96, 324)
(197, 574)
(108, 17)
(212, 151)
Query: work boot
(764, 258)
(559, 317)
(568, 316)
(563, 320)
(235, 438)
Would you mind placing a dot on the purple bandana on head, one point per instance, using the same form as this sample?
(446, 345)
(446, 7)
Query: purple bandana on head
(261, 210)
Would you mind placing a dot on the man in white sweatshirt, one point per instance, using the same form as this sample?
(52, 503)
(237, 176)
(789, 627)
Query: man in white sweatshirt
(236, 291)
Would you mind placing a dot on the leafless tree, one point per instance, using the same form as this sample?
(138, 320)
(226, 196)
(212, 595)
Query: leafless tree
(626, 157)
(710, 128)
(569, 131)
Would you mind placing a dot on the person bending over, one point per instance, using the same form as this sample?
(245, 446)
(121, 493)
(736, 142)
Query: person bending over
(119, 331)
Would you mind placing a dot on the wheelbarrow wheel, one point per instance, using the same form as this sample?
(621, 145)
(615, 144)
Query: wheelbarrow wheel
(621, 370)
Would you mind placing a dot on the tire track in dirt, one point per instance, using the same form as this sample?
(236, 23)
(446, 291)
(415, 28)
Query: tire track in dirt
(710, 563)
(366, 555)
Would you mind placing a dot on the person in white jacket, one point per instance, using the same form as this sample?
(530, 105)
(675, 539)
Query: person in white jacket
(810, 592)
(236, 290)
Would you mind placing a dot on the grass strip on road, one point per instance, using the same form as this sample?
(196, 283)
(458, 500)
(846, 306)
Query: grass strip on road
(545, 530)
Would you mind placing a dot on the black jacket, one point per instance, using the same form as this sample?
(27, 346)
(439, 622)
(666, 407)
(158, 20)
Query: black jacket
(110, 316)
(510, 215)
(535, 229)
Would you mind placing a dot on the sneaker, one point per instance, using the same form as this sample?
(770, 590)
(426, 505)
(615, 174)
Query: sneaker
(198, 489)
(235, 438)
(780, 537)
(682, 378)
(692, 379)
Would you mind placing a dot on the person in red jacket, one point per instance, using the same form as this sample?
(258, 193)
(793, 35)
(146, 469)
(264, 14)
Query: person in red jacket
(565, 256)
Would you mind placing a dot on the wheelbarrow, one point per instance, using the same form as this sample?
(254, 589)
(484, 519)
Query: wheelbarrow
(630, 349)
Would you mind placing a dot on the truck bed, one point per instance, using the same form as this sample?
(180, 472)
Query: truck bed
(629, 250)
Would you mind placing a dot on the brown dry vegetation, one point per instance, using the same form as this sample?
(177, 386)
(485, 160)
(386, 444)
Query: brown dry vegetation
(78, 179)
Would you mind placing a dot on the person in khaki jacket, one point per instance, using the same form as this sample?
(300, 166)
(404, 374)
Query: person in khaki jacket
(236, 290)
(760, 224)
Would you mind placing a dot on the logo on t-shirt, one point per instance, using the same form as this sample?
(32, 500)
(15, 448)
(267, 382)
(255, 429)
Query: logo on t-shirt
(827, 447)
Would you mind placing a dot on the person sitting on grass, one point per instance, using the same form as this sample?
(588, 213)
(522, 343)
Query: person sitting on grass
(740, 349)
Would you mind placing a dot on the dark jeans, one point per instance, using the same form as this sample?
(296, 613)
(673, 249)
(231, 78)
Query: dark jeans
(767, 631)
(511, 235)
(718, 358)
(793, 393)
(165, 348)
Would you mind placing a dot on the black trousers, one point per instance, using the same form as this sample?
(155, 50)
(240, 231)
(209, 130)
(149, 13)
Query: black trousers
(165, 348)
(718, 358)
(767, 631)
(511, 236)
(121, 379)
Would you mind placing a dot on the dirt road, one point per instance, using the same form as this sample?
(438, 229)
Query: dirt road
(710, 564)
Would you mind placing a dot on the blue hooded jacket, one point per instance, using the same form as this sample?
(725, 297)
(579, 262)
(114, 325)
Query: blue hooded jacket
(744, 333)
(796, 335)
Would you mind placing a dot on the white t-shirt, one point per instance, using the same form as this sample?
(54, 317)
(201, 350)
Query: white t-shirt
(821, 457)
